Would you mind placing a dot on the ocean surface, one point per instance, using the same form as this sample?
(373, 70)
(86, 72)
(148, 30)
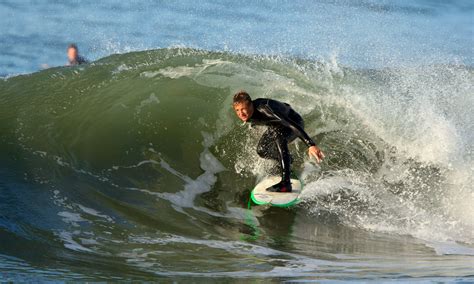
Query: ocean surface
(134, 167)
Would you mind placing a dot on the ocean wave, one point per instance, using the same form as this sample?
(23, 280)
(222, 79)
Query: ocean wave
(147, 141)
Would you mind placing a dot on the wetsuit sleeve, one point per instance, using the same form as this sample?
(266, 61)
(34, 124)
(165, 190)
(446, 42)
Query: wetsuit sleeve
(287, 122)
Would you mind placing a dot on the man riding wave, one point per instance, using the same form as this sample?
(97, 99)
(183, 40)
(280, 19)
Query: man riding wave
(284, 126)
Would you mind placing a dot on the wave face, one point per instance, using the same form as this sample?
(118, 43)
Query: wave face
(135, 166)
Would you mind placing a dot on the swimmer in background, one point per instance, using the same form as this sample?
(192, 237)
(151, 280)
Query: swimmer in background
(73, 56)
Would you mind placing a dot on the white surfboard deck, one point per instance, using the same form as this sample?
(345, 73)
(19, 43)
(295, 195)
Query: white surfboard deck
(261, 196)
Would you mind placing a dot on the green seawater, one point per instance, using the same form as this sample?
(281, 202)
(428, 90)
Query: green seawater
(135, 167)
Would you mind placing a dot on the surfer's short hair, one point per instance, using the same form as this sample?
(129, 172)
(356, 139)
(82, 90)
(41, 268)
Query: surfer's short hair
(241, 97)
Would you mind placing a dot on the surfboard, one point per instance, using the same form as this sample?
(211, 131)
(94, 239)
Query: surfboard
(260, 196)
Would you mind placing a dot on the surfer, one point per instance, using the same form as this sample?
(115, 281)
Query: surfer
(73, 56)
(284, 126)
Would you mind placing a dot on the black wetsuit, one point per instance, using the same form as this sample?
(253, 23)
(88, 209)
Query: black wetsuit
(78, 61)
(284, 126)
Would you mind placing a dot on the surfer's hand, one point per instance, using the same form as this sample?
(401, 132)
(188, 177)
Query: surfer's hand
(315, 152)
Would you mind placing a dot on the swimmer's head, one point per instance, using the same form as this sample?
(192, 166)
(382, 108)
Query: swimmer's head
(72, 52)
(243, 105)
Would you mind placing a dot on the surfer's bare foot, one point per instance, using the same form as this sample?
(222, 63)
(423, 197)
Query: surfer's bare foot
(280, 187)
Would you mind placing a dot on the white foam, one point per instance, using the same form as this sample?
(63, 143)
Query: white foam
(192, 187)
(188, 71)
(71, 218)
(325, 186)
(152, 99)
(121, 68)
(70, 243)
(230, 246)
(176, 72)
(85, 241)
(450, 248)
(149, 74)
(203, 183)
(93, 212)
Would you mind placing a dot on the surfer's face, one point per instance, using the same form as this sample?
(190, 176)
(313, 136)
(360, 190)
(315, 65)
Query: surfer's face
(243, 110)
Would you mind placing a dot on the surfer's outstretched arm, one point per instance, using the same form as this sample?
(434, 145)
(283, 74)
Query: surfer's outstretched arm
(313, 150)
(287, 122)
